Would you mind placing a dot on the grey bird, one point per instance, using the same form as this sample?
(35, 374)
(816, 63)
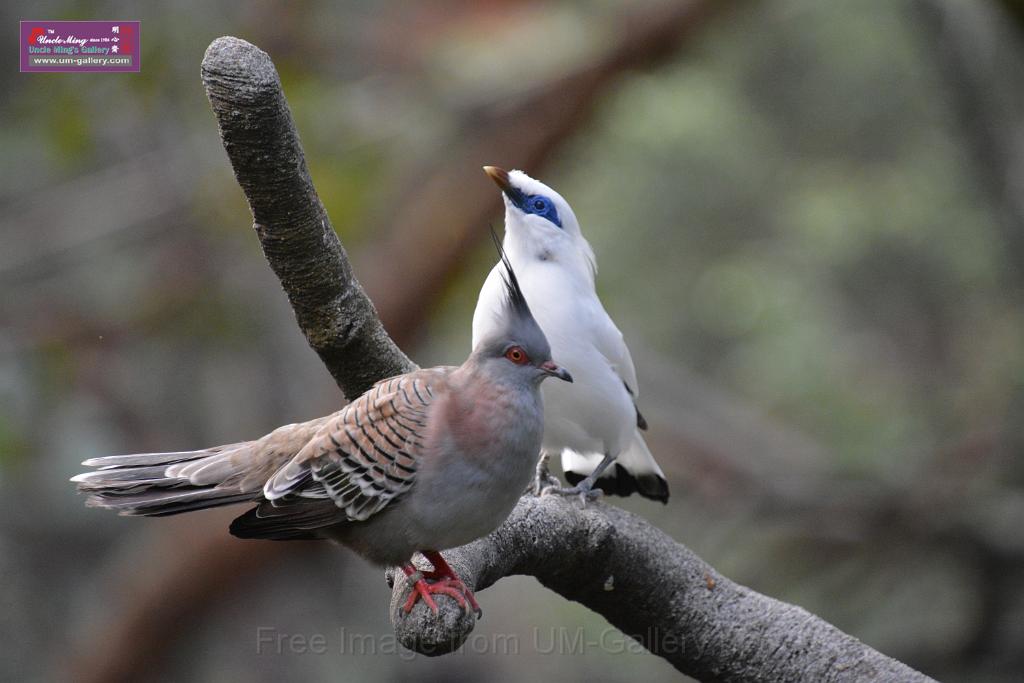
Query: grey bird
(424, 461)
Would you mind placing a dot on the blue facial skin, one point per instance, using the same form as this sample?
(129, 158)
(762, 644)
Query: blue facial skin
(536, 204)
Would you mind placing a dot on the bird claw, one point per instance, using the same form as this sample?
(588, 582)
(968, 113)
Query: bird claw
(425, 591)
(587, 493)
(543, 479)
(442, 581)
(420, 589)
(455, 583)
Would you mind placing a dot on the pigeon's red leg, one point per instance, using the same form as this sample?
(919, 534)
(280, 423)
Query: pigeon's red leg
(424, 590)
(443, 572)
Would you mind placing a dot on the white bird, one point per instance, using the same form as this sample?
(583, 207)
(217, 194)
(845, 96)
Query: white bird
(424, 461)
(595, 422)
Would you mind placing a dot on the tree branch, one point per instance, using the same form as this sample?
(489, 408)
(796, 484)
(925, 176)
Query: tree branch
(651, 588)
(257, 130)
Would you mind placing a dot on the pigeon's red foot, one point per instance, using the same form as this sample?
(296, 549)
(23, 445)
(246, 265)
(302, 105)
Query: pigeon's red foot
(443, 571)
(442, 581)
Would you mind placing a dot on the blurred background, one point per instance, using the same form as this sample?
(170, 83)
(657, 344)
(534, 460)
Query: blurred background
(809, 222)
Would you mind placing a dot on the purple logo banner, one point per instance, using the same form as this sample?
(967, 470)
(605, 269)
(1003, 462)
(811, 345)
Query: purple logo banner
(79, 46)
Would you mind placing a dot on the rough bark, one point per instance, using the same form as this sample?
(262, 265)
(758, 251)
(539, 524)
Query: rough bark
(651, 588)
(257, 130)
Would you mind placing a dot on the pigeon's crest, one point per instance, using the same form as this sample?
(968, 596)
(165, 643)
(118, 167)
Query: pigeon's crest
(514, 298)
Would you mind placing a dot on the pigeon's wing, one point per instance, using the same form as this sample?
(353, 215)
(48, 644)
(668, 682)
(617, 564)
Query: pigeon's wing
(361, 459)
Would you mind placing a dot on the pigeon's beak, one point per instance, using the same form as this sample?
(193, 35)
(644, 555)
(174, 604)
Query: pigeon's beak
(501, 179)
(556, 371)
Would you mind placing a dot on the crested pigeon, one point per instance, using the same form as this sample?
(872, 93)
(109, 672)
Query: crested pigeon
(424, 461)
(596, 422)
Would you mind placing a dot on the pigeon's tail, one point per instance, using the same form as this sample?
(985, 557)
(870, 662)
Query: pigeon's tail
(157, 484)
(634, 471)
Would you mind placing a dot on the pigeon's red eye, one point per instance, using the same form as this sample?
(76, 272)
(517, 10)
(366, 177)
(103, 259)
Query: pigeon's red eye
(517, 355)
